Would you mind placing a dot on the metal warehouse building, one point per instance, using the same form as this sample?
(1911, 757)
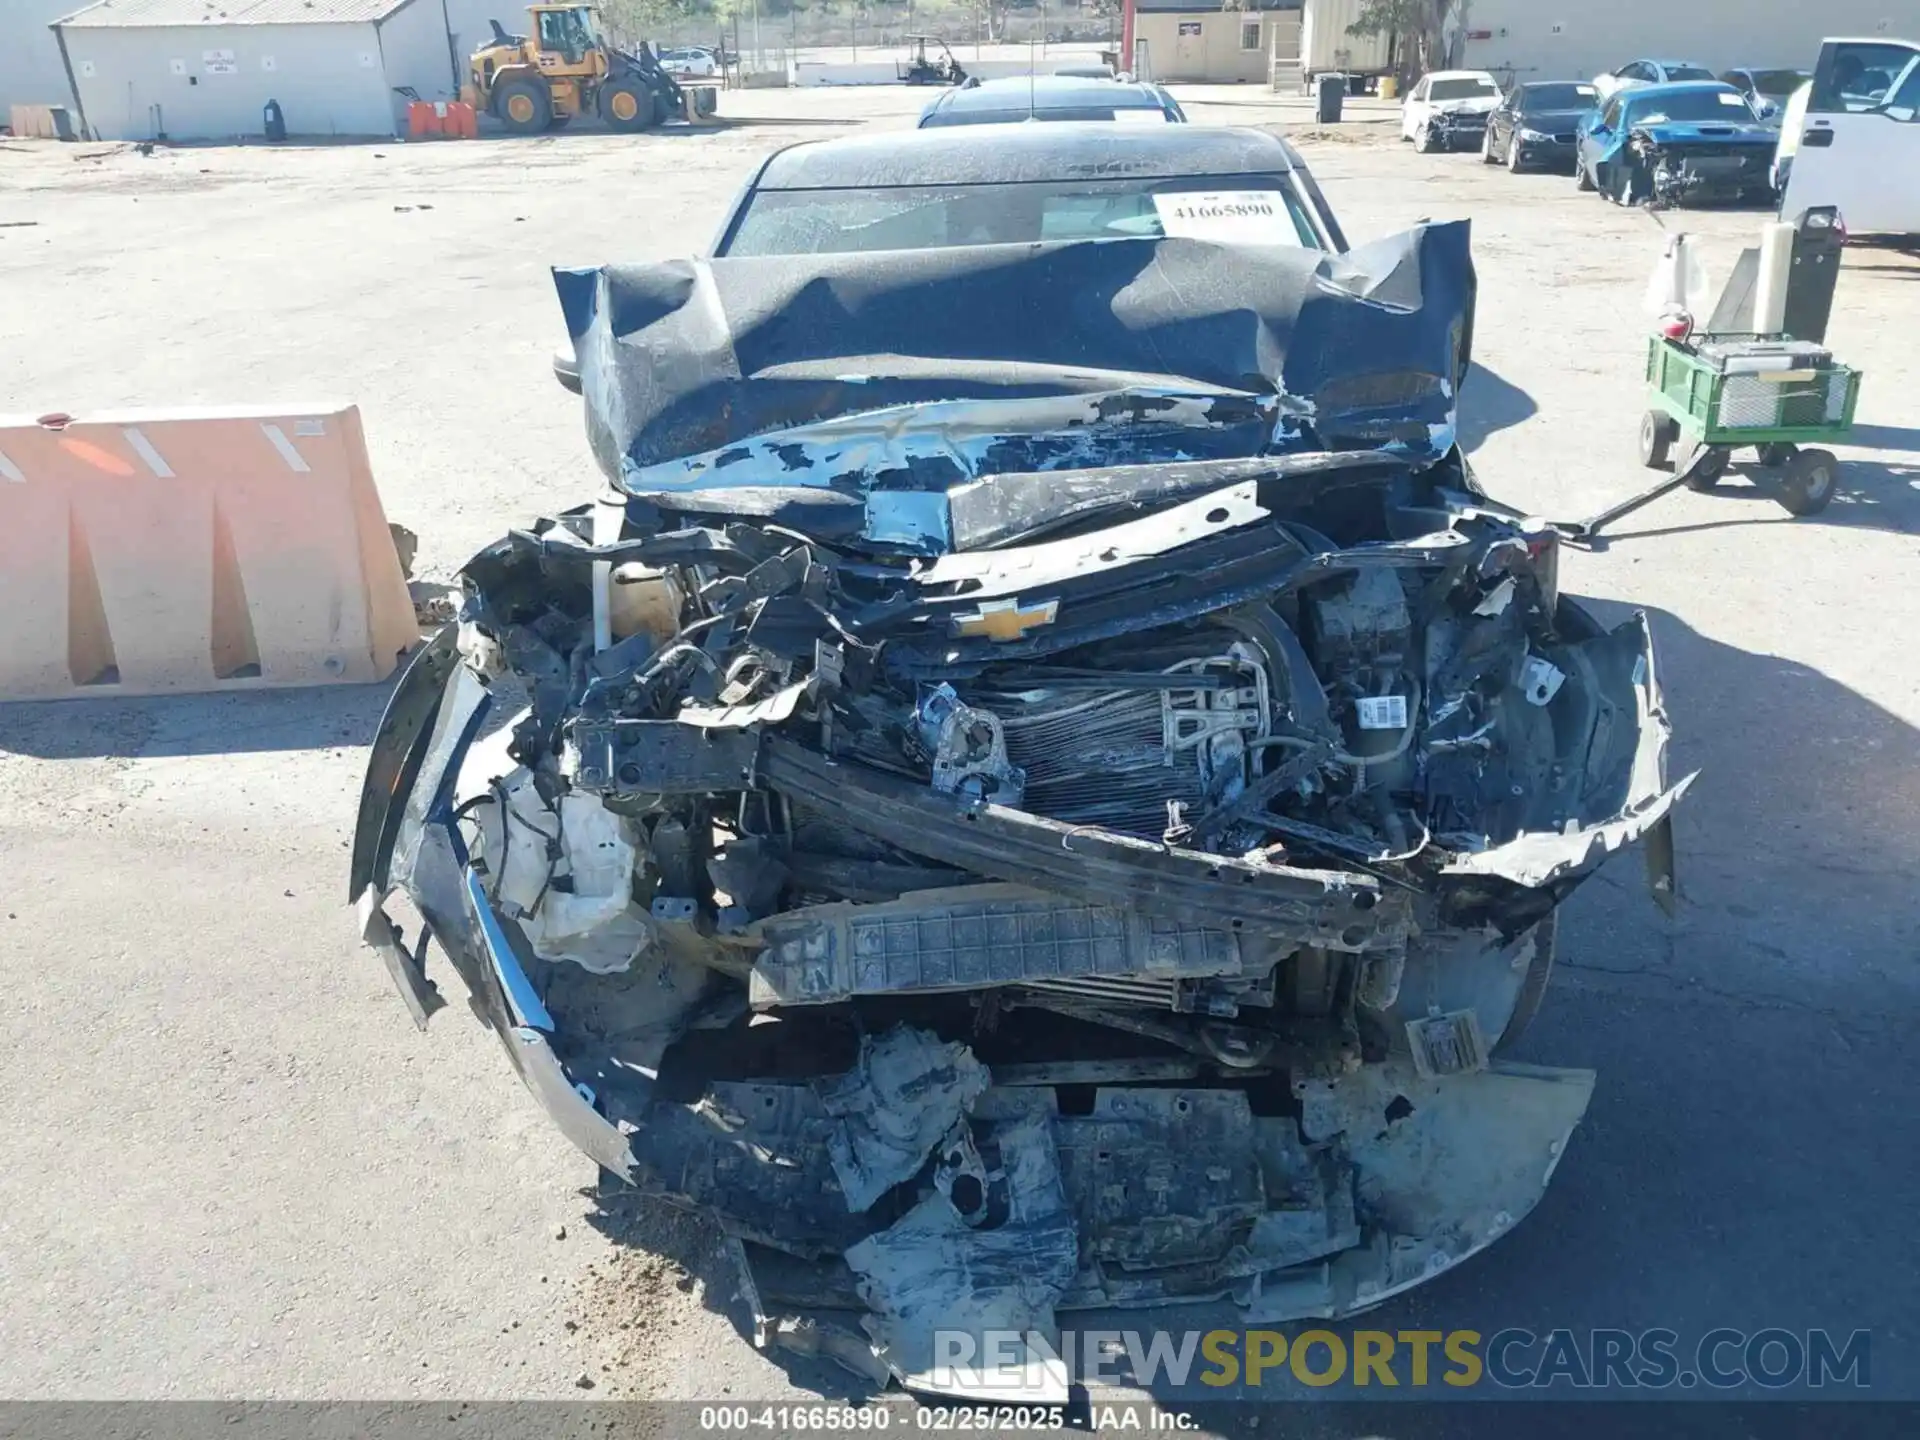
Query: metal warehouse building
(205, 69)
(1547, 40)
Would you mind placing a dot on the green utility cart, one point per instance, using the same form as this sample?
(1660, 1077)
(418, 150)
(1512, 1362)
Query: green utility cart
(1708, 397)
(1724, 392)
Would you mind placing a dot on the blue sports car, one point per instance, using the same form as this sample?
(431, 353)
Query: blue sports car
(1670, 144)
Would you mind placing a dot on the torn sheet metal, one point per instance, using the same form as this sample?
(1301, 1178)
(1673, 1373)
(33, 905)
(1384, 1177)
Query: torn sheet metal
(1539, 857)
(1623, 793)
(907, 1091)
(1446, 1167)
(931, 1279)
(971, 937)
(957, 362)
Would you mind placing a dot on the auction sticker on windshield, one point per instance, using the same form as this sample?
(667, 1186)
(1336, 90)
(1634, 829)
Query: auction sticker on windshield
(1257, 216)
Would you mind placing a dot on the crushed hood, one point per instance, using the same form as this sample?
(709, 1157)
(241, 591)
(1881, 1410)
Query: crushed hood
(907, 372)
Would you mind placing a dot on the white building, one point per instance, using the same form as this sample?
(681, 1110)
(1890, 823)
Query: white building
(1552, 40)
(206, 69)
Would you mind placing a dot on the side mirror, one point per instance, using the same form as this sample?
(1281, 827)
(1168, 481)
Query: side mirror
(1768, 109)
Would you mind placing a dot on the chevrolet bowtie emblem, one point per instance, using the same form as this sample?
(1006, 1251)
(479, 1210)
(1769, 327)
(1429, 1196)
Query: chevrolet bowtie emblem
(1005, 619)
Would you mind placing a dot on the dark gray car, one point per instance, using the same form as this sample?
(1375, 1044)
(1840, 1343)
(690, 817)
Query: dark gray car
(1537, 125)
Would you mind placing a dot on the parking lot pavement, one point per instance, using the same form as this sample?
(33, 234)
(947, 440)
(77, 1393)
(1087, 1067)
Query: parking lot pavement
(235, 1169)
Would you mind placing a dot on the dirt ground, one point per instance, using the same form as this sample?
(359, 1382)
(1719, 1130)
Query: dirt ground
(233, 1167)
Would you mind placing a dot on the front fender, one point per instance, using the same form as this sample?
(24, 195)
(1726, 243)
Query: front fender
(406, 836)
(398, 748)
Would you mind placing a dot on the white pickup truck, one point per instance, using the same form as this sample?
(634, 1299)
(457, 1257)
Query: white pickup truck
(1851, 138)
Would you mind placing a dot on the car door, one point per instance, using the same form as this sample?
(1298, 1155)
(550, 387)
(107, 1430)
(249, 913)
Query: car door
(1596, 133)
(1859, 146)
(1414, 110)
(1499, 120)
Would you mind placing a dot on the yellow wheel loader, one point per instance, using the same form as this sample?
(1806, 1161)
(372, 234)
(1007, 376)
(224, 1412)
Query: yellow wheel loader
(565, 68)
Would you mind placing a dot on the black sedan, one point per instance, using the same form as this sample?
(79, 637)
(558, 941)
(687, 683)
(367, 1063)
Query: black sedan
(1537, 124)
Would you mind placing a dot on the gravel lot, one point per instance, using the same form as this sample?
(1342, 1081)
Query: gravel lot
(233, 1167)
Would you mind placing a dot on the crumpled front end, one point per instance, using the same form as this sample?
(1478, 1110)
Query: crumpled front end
(1461, 126)
(1674, 165)
(1127, 905)
(1132, 917)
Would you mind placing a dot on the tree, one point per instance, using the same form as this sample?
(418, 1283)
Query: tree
(1415, 24)
(630, 21)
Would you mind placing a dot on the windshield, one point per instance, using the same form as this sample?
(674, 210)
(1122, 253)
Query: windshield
(1463, 90)
(569, 30)
(1688, 72)
(1864, 75)
(1778, 84)
(1537, 98)
(1250, 208)
(1125, 114)
(1729, 107)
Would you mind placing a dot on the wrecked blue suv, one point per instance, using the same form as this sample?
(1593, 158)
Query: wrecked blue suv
(1675, 145)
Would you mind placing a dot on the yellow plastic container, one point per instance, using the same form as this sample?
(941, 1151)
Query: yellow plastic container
(1389, 87)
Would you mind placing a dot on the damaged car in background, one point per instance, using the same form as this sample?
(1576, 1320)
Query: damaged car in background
(1047, 788)
(1677, 144)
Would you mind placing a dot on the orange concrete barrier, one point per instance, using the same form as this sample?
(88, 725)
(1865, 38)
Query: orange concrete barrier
(177, 551)
(441, 119)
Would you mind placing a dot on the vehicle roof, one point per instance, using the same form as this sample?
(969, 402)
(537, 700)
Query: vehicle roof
(1667, 62)
(1674, 87)
(1460, 75)
(1053, 92)
(1555, 84)
(1069, 149)
(1766, 69)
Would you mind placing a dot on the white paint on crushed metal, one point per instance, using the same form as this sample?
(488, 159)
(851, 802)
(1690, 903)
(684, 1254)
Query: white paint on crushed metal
(143, 447)
(285, 447)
